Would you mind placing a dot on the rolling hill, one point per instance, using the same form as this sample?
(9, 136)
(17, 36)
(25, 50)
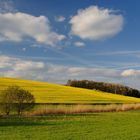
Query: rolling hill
(53, 93)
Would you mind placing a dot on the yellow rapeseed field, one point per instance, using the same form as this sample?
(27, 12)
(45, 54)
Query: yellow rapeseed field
(53, 93)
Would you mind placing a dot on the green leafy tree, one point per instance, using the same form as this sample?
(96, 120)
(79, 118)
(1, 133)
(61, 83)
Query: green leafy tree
(24, 101)
(15, 98)
(6, 99)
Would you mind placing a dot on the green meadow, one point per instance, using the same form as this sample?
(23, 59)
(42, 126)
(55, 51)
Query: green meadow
(96, 126)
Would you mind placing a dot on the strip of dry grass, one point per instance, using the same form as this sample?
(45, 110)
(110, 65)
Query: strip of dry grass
(75, 109)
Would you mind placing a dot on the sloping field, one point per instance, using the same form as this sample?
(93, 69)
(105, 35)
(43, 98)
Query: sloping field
(53, 93)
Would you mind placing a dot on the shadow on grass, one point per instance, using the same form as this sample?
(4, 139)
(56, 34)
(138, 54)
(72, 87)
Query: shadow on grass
(40, 120)
(15, 121)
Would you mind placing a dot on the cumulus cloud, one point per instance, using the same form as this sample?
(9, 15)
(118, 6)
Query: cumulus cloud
(60, 18)
(18, 26)
(79, 44)
(130, 72)
(96, 23)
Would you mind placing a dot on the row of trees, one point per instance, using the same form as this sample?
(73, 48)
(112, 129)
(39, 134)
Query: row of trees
(16, 99)
(106, 87)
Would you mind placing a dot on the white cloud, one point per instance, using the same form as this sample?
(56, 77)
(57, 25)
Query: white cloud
(4, 63)
(18, 26)
(15, 64)
(24, 49)
(92, 72)
(32, 69)
(130, 72)
(40, 70)
(28, 65)
(16, 67)
(134, 53)
(35, 46)
(96, 23)
(60, 18)
(79, 44)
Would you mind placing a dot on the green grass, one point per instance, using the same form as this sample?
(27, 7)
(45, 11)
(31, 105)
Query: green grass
(98, 126)
(54, 93)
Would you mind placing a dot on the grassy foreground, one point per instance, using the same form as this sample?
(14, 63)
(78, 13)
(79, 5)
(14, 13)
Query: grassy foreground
(54, 93)
(97, 126)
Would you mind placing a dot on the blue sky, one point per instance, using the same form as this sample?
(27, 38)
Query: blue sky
(59, 40)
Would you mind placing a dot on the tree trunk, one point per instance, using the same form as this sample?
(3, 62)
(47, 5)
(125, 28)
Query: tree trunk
(7, 113)
(19, 112)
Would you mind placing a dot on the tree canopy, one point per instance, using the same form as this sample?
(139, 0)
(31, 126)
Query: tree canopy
(14, 98)
(106, 87)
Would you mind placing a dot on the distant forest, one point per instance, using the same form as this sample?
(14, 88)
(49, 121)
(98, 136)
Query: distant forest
(106, 87)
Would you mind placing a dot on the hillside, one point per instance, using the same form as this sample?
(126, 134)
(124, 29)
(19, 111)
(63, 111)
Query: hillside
(54, 93)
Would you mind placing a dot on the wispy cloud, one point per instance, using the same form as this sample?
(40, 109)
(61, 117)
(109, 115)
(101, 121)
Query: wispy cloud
(79, 44)
(46, 71)
(7, 6)
(125, 52)
(18, 67)
(59, 18)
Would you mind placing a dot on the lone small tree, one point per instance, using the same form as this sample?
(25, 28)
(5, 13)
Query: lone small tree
(16, 98)
(24, 101)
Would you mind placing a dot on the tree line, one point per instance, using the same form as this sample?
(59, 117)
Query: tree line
(106, 87)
